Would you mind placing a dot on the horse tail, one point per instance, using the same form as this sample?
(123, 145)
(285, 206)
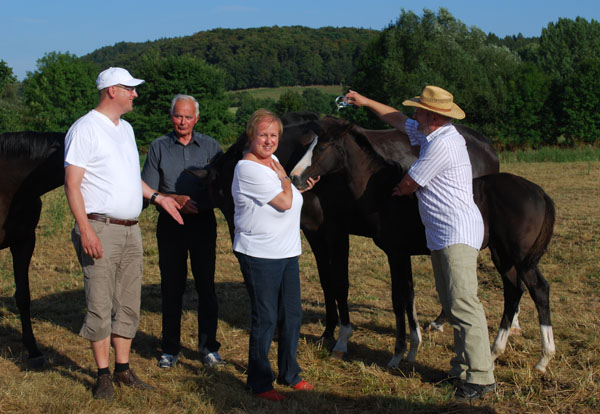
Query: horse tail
(540, 245)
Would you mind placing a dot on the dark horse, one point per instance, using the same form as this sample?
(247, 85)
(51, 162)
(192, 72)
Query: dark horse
(518, 217)
(31, 164)
(330, 213)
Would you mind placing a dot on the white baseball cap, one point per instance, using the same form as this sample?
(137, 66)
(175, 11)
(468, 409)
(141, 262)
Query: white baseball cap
(116, 76)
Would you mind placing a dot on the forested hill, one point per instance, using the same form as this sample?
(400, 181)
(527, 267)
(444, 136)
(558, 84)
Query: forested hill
(260, 57)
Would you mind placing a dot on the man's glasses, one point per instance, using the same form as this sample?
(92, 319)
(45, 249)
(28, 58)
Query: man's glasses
(127, 88)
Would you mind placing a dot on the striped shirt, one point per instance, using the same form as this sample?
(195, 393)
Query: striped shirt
(443, 172)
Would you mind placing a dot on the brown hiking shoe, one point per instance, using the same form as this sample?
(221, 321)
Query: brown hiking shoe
(104, 388)
(129, 379)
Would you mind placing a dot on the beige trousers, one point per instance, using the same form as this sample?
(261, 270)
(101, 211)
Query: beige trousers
(455, 270)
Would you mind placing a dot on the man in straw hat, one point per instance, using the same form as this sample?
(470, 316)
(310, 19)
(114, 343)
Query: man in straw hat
(442, 180)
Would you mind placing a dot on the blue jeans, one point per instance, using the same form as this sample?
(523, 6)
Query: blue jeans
(274, 289)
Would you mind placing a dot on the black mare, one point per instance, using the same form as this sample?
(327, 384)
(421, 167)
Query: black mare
(518, 216)
(31, 164)
(330, 214)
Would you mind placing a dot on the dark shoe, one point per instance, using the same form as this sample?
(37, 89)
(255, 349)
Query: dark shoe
(104, 388)
(471, 392)
(129, 379)
(271, 395)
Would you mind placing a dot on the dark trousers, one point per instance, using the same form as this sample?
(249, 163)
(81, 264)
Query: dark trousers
(274, 289)
(198, 238)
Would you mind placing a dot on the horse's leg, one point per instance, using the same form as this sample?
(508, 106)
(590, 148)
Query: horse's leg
(322, 255)
(22, 251)
(438, 323)
(339, 267)
(540, 293)
(513, 290)
(403, 299)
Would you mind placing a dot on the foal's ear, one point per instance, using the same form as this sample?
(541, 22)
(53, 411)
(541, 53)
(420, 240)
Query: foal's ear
(331, 127)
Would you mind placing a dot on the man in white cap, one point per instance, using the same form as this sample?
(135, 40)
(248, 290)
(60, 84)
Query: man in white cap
(104, 190)
(442, 180)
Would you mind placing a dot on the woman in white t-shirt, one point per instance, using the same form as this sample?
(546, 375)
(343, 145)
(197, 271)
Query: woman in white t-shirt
(267, 245)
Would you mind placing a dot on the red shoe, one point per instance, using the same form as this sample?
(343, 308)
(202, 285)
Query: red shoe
(303, 386)
(271, 395)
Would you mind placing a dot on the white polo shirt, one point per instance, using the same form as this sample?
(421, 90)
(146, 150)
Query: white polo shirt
(111, 183)
(443, 172)
(261, 230)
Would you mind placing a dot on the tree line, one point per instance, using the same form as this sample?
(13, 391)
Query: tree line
(521, 92)
(259, 57)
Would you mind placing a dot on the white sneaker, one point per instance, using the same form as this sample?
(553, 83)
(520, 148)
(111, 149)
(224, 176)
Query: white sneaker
(168, 360)
(213, 359)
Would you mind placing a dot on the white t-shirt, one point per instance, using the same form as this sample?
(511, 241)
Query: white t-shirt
(261, 230)
(111, 183)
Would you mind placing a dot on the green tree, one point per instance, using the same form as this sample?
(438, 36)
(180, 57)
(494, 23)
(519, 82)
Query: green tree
(167, 76)
(529, 90)
(580, 103)
(319, 102)
(440, 50)
(61, 90)
(290, 101)
(11, 107)
(6, 75)
(247, 105)
(568, 54)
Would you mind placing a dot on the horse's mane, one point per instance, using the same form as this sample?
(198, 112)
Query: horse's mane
(335, 128)
(31, 145)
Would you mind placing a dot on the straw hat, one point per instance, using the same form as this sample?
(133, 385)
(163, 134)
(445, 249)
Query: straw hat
(436, 100)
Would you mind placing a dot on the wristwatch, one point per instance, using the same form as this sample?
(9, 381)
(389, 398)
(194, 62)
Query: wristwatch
(153, 197)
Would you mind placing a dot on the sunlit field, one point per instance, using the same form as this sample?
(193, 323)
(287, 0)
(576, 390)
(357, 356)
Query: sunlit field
(360, 383)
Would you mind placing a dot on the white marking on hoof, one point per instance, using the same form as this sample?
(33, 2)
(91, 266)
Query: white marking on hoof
(500, 343)
(415, 342)
(515, 329)
(435, 326)
(548, 348)
(342, 343)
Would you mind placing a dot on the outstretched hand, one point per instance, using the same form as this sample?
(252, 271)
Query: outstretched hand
(170, 206)
(355, 98)
(310, 183)
(188, 206)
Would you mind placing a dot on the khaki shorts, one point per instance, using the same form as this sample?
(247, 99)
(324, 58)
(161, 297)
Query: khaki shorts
(113, 283)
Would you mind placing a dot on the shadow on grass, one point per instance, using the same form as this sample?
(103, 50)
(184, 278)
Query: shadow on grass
(229, 394)
(67, 309)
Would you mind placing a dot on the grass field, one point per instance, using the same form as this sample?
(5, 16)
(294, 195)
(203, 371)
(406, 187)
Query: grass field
(359, 384)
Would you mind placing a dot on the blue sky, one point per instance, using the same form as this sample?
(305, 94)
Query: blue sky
(32, 28)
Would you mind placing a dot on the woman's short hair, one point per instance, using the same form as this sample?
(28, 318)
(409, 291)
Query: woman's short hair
(258, 116)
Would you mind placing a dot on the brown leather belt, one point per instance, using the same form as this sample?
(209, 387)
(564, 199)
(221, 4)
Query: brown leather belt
(109, 220)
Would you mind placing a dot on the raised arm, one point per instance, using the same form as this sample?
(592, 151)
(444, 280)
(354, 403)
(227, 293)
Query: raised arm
(386, 113)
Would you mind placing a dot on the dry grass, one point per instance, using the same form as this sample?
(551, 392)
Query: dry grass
(361, 383)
